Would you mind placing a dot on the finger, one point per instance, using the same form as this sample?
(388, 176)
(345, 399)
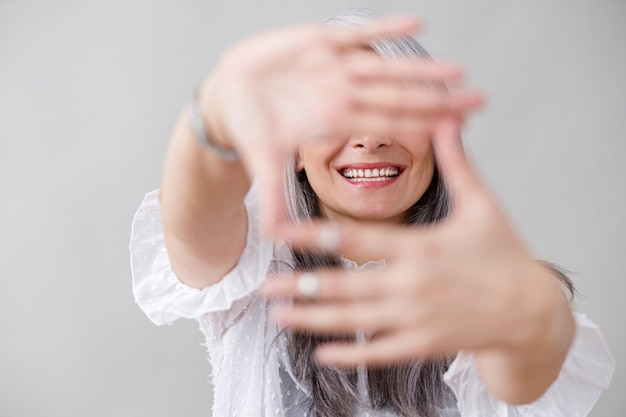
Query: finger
(386, 123)
(332, 286)
(368, 66)
(337, 318)
(359, 35)
(370, 241)
(457, 171)
(393, 99)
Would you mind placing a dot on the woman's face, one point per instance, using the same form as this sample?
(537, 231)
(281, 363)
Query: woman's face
(368, 178)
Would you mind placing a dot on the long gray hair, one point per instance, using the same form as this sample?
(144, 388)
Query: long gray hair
(413, 388)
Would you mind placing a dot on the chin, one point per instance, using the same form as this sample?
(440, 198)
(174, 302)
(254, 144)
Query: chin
(379, 217)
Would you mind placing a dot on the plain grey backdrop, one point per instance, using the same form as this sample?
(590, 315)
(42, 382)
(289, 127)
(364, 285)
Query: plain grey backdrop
(89, 92)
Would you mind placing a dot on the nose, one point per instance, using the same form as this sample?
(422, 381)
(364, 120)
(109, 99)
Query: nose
(369, 142)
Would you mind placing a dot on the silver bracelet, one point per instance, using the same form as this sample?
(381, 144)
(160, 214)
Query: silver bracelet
(199, 130)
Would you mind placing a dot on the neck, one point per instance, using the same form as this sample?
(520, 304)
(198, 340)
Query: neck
(354, 254)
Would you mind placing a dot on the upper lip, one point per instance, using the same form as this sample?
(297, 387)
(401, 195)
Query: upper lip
(370, 165)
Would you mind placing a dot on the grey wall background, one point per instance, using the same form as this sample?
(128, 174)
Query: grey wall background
(90, 91)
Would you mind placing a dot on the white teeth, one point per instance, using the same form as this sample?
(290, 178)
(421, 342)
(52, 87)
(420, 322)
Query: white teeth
(371, 174)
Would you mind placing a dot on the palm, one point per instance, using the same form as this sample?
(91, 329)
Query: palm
(467, 283)
(277, 90)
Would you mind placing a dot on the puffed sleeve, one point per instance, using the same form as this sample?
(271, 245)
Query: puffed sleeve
(587, 370)
(163, 297)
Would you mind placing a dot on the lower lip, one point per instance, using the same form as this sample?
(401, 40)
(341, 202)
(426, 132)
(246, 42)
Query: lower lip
(371, 184)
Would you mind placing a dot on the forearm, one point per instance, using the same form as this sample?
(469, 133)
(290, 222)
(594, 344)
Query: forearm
(521, 372)
(204, 219)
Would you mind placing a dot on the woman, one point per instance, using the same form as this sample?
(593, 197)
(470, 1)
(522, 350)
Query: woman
(374, 139)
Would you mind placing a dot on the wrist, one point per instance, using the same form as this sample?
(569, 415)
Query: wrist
(528, 357)
(548, 319)
(206, 124)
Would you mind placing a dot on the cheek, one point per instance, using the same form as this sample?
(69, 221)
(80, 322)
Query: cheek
(424, 147)
(416, 144)
(316, 155)
(430, 158)
(425, 177)
(423, 153)
(424, 160)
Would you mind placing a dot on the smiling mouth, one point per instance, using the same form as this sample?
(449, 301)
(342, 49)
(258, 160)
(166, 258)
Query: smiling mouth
(370, 174)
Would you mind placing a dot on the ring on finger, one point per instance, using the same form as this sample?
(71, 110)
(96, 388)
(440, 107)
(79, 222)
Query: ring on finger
(308, 285)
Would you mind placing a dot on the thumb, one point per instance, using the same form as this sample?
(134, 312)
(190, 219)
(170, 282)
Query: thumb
(457, 172)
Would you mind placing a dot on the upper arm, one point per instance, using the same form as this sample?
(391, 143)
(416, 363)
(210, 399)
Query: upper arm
(200, 263)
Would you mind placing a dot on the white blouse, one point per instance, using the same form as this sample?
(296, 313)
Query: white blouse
(247, 352)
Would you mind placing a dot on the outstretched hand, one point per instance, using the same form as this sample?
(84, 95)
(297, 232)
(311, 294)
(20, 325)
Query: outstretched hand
(277, 90)
(464, 283)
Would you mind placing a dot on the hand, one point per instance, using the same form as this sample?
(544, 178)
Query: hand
(465, 283)
(276, 90)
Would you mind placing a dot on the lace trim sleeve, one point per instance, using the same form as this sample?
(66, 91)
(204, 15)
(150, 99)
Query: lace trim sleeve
(163, 297)
(587, 370)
